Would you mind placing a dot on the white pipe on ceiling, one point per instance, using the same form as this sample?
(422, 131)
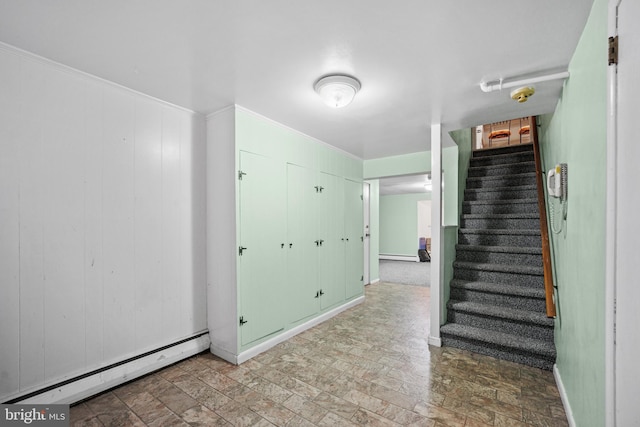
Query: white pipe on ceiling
(524, 82)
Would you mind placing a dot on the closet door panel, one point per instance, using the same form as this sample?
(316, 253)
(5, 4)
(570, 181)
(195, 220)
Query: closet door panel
(354, 246)
(302, 243)
(262, 213)
(331, 224)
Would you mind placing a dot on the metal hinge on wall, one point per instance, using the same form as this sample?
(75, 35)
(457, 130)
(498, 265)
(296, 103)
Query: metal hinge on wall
(240, 175)
(613, 50)
(242, 321)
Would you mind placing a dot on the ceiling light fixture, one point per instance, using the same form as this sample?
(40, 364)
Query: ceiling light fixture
(337, 90)
(522, 94)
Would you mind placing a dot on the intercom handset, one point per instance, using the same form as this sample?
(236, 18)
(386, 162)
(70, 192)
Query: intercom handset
(557, 181)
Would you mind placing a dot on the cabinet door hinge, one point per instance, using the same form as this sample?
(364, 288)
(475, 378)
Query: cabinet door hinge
(361, 197)
(241, 250)
(362, 278)
(242, 321)
(613, 50)
(240, 175)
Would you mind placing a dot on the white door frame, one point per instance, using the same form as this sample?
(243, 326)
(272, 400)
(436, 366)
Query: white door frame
(610, 232)
(366, 199)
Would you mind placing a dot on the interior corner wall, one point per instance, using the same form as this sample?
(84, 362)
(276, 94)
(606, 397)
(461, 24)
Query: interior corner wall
(450, 192)
(576, 134)
(399, 224)
(102, 223)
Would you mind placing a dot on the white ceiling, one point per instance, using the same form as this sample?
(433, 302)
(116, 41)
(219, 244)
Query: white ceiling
(419, 61)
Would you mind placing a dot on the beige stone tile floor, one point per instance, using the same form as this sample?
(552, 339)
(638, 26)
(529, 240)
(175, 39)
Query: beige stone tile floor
(368, 366)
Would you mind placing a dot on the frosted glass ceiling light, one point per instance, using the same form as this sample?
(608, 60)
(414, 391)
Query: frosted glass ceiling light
(337, 91)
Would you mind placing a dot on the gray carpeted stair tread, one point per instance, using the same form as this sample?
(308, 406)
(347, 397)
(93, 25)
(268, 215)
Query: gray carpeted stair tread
(523, 316)
(516, 342)
(496, 151)
(502, 177)
(512, 188)
(502, 249)
(525, 154)
(528, 165)
(497, 288)
(502, 268)
(500, 231)
(500, 202)
(523, 215)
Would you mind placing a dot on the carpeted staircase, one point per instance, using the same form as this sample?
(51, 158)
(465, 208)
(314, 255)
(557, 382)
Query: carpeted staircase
(497, 301)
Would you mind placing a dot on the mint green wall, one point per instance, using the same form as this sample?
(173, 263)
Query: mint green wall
(576, 134)
(374, 229)
(404, 164)
(399, 223)
(463, 140)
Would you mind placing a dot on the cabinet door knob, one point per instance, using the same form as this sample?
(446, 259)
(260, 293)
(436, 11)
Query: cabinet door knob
(290, 245)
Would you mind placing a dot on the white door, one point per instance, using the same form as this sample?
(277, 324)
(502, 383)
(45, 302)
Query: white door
(622, 224)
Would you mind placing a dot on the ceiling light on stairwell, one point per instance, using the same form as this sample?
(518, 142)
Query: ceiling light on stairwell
(337, 90)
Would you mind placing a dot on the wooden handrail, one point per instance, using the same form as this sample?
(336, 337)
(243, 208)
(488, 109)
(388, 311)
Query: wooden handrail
(544, 230)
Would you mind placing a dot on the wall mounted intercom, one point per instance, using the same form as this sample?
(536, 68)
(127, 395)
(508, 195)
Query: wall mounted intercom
(557, 180)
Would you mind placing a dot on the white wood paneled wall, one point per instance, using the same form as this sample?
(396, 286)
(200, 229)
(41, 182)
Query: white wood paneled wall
(102, 223)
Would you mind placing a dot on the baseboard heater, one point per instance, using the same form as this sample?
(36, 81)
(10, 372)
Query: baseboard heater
(86, 385)
(413, 258)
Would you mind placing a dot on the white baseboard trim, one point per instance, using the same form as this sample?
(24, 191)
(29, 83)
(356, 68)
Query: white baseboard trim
(266, 345)
(87, 386)
(374, 281)
(434, 341)
(563, 396)
(400, 258)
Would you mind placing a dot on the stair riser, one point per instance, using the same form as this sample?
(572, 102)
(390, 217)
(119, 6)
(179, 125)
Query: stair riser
(501, 325)
(504, 150)
(499, 240)
(501, 160)
(498, 352)
(526, 280)
(507, 258)
(510, 301)
(506, 208)
(493, 182)
(513, 168)
(500, 223)
(470, 195)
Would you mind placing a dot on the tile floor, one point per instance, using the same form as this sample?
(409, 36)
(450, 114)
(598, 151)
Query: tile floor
(370, 365)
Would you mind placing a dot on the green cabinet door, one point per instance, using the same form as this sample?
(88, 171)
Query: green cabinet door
(331, 230)
(302, 298)
(354, 247)
(261, 251)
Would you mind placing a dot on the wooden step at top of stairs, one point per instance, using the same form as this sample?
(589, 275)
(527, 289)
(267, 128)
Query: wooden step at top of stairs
(501, 268)
(512, 314)
(498, 288)
(501, 339)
